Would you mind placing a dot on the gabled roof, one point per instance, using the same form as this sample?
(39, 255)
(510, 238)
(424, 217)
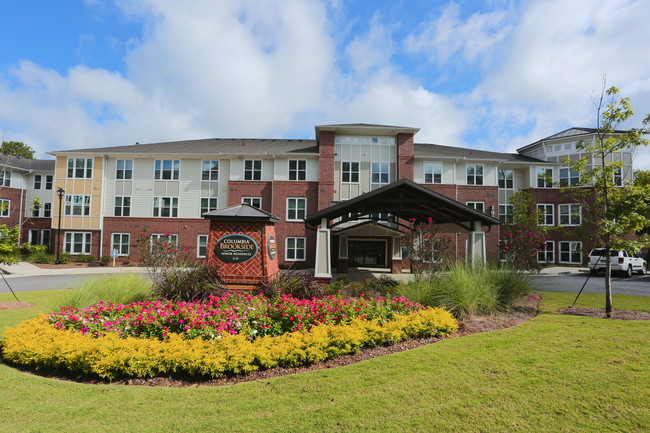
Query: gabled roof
(10, 161)
(241, 212)
(573, 132)
(406, 199)
(209, 146)
(437, 150)
(366, 128)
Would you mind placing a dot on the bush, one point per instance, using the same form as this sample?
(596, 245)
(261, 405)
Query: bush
(105, 259)
(301, 286)
(116, 289)
(41, 257)
(65, 257)
(91, 259)
(36, 343)
(189, 283)
(81, 258)
(511, 284)
(382, 287)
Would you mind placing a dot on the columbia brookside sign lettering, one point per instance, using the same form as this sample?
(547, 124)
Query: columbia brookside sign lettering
(235, 248)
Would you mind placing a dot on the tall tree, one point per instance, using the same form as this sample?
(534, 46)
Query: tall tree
(614, 208)
(17, 148)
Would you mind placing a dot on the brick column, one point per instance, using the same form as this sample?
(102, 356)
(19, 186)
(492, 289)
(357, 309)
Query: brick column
(405, 152)
(325, 168)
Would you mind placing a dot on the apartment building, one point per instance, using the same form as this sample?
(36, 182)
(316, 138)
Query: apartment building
(113, 195)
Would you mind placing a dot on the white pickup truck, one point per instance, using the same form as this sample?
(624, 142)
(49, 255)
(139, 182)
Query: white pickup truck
(621, 262)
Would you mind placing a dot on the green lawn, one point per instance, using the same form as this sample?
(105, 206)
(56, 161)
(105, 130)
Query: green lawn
(553, 374)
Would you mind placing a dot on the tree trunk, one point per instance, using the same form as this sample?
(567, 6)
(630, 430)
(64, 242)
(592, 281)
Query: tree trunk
(608, 283)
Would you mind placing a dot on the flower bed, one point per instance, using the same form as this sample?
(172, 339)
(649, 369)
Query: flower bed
(233, 334)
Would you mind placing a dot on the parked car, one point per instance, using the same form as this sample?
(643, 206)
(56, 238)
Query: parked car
(621, 262)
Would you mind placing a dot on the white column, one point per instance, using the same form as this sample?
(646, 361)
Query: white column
(323, 267)
(476, 245)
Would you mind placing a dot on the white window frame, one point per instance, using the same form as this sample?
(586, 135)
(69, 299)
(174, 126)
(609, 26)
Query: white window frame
(126, 171)
(297, 172)
(32, 237)
(49, 237)
(504, 179)
(476, 204)
(158, 207)
(569, 177)
(38, 181)
(350, 173)
(432, 172)
(209, 207)
(71, 203)
(5, 178)
(119, 246)
(253, 173)
(380, 173)
(209, 170)
(571, 251)
(174, 169)
(201, 242)
(506, 217)
(5, 211)
(122, 206)
(543, 214)
(76, 164)
(295, 249)
(543, 176)
(173, 238)
(250, 200)
(617, 176)
(296, 208)
(46, 210)
(86, 243)
(503, 243)
(49, 181)
(543, 254)
(477, 179)
(570, 214)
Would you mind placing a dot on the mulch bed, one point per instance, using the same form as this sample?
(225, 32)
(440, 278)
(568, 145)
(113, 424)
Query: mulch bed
(13, 305)
(600, 313)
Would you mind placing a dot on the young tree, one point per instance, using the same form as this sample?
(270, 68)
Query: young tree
(614, 209)
(17, 148)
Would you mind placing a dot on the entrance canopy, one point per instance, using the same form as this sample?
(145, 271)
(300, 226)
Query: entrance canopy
(407, 200)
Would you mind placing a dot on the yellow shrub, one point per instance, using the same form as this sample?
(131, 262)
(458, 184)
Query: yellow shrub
(35, 343)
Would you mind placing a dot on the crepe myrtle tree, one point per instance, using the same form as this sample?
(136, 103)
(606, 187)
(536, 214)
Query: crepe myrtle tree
(612, 208)
(428, 249)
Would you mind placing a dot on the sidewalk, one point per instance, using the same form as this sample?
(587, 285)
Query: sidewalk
(24, 269)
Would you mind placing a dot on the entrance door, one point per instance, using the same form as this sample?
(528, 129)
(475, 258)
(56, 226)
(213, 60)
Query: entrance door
(367, 254)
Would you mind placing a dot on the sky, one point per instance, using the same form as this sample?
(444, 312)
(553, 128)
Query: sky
(493, 74)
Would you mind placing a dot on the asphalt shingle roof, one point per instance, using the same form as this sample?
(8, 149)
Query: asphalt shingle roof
(433, 150)
(26, 164)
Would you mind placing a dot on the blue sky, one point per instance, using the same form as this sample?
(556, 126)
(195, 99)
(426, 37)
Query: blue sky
(492, 74)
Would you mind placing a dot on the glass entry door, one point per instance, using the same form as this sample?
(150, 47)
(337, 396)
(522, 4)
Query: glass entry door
(367, 254)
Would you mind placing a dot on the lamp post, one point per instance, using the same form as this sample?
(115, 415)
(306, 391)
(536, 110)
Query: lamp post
(60, 192)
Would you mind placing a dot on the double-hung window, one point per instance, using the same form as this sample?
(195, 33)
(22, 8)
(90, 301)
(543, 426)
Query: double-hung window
(474, 174)
(570, 252)
(506, 179)
(166, 207)
(167, 169)
(47, 210)
(296, 209)
(80, 168)
(5, 178)
(38, 181)
(478, 205)
(171, 240)
(570, 214)
(618, 176)
(210, 170)
(208, 204)
(122, 206)
(252, 201)
(201, 246)
(569, 177)
(77, 205)
(5, 207)
(124, 169)
(432, 172)
(544, 177)
(545, 215)
(349, 172)
(506, 213)
(253, 169)
(546, 254)
(121, 242)
(297, 169)
(295, 249)
(380, 173)
(78, 242)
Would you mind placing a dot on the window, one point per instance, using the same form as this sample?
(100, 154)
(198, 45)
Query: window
(506, 179)
(297, 169)
(166, 207)
(32, 237)
(545, 215)
(209, 204)
(570, 214)
(295, 249)
(76, 205)
(253, 169)
(296, 209)
(504, 250)
(350, 172)
(124, 169)
(252, 201)
(210, 170)
(121, 242)
(5, 207)
(37, 181)
(380, 173)
(432, 172)
(5, 178)
(49, 180)
(122, 206)
(78, 242)
(166, 169)
(45, 237)
(506, 213)
(570, 252)
(80, 168)
(47, 210)
(544, 178)
(618, 176)
(478, 205)
(569, 177)
(171, 238)
(546, 254)
(474, 174)
(201, 246)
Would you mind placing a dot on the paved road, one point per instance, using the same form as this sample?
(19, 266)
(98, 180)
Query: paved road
(637, 285)
(46, 282)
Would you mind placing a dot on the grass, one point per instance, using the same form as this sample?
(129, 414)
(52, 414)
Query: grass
(118, 289)
(553, 374)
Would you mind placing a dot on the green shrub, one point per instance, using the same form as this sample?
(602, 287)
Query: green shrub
(511, 284)
(65, 257)
(301, 286)
(41, 257)
(105, 259)
(190, 283)
(81, 258)
(117, 289)
(27, 250)
(91, 259)
(382, 287)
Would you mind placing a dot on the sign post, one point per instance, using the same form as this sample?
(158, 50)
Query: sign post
(114, 254)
